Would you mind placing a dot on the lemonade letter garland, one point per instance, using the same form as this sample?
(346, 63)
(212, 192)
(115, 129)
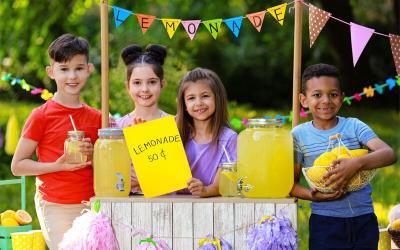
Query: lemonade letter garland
(158, 156)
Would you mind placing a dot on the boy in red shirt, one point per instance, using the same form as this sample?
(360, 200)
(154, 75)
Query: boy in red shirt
(60, 187)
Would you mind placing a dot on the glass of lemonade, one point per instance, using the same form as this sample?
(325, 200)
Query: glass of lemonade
(71, 147)
(228, 179)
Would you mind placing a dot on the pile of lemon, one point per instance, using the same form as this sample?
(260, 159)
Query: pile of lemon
(314, 175)
(11, 218)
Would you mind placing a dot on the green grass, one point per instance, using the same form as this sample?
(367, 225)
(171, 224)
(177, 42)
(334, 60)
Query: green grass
(385, 184)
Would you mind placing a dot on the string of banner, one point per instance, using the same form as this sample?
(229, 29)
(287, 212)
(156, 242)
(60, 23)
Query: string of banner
(360, 35)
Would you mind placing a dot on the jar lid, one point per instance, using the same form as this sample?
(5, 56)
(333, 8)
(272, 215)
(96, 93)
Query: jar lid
(230, 166)
(262, 122)
(110, 132)
(76, 133)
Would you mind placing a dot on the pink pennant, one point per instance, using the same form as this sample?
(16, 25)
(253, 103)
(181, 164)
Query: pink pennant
(303, 113)
(395, 45)
(357, 96)
(191, 27)
(36, 91)
(360, 36)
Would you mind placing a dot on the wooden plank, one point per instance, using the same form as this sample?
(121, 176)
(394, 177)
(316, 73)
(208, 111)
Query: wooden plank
(182, 226)
(105, 207)
(162, 221)
(190, 198)
(261, 209)
(224, 221)
(122, 220)
(288, 211)
(203, 221)
(244, 221)
(141, 220)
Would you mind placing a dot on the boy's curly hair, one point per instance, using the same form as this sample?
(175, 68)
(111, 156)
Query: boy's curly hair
(318, 70)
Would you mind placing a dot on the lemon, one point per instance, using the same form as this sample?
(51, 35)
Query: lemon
(23, 217)
(324, 159)
(396, 225)
(7, 214)
(340, 151)
(358, 152)
(9, 222)
(230, 175)
(315, 174)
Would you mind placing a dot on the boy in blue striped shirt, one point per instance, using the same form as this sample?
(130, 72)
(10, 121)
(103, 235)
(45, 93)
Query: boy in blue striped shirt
(339, 220)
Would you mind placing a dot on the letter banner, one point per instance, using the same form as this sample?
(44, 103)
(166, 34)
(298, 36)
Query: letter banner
(120, 15)
(278, 12)
(145, 21)
(213, 26)
(257, 19)
(234, 24)
(191, 27)
(171, 25)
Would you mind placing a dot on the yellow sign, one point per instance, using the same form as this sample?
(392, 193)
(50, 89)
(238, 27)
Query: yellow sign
(158, 156)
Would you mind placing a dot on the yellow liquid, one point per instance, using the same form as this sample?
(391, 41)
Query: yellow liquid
(72, 152)
(227, 184)
(265, 157)
(112, 168)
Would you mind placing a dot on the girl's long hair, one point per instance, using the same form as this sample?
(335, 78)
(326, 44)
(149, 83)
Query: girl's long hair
(219, 119)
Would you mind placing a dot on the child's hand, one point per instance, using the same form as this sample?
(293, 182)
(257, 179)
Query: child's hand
(196, 187)
(61, 162)
(318, 196)
(86, 148)
(137, 120)
(343, 170)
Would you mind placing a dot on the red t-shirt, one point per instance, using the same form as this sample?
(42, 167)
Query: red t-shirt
(48, 125)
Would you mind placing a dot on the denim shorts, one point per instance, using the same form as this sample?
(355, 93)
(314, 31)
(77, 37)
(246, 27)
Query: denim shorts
(360, 232)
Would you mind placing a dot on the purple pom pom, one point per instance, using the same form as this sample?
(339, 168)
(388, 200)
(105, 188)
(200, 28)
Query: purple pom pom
(272, 233)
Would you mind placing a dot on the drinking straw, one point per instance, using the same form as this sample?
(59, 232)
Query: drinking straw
(72, 121)
(226, 154)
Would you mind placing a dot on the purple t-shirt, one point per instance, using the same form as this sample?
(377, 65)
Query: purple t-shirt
(204, 159)
(123, 122)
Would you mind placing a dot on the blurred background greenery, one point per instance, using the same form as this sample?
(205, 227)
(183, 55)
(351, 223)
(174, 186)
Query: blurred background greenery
(256, 68)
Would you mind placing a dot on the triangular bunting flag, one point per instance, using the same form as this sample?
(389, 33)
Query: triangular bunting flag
(145, 21)
(234, 24)
(120, 15)
(171, 25)
(213, 26)
(357, 96)
(395, 45)
(191, 27)
(360, 36)
(278, 12)
(257, 19)
(317, 19)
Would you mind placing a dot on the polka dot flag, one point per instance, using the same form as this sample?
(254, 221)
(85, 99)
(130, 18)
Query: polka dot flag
(395, 44)
(317, 19)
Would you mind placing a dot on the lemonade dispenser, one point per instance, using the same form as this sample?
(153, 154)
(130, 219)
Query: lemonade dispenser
(112, 164)
(265, 159)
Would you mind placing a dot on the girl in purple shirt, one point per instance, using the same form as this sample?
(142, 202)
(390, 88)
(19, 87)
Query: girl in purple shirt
(145, 80)
(204, 127)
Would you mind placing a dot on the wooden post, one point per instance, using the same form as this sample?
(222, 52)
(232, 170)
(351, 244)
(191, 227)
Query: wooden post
(104, 63)
(297, 62)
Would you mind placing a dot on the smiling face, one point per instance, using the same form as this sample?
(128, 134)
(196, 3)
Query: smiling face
(323, 97)
(199, 101)
(145, 86)
(70, 76)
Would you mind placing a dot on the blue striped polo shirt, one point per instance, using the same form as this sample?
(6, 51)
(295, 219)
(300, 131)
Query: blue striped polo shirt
(310, 142)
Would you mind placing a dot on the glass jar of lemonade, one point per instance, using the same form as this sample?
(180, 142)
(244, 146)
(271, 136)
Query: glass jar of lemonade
(265, 159)
(228, 179)
(71, 147)
(112, 164)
